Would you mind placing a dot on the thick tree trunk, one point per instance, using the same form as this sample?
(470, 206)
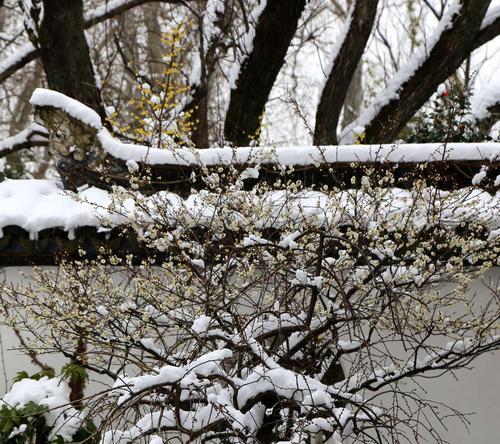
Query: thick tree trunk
(68, 67)
(2, 16)
(65, 53)
(342, 73)
(452, 48)
(274, 32)
(77, 381)
(198, 106)
(211, 42)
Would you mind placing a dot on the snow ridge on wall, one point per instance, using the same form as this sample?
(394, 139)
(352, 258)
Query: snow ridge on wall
(284, 156)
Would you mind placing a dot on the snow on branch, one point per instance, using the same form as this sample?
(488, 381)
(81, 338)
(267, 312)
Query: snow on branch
(15, 61)
(113, 8)
(344, 61)
(76, 109)
(490, 28)
(236, 402)
(391, 92)
(491, 16)
(247, 42)
(27, 53)
(34, 135)
(486, 101)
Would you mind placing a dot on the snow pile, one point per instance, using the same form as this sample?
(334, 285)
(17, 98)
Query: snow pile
(52, 393)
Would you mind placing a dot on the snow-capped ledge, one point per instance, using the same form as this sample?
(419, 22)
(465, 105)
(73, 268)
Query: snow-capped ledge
(37, 205)
(284, 156)
(76, 109)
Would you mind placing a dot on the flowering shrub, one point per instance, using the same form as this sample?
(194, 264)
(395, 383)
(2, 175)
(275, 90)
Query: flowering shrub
(447, 119)
(272, 315)
(156, 117)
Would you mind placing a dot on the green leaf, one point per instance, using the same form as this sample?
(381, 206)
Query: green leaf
(75, 372)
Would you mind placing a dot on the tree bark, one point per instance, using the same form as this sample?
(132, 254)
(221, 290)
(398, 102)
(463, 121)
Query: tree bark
(199, 109)
(452, 48)
(65, 53)
(31, 53)
(274, 32)
(68, 68)
(2, 16)
(487, 33)
(342, 73)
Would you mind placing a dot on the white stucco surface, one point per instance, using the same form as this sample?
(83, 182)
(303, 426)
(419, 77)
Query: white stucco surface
(475, 391)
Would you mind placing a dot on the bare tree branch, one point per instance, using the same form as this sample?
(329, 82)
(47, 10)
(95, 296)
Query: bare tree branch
(342, 72)
(27, 53)
(274, 32)
(452, 48)
(33, 136)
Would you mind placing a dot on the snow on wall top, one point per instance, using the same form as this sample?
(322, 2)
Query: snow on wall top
(76, 109)
(36, 205)
(285, 156)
